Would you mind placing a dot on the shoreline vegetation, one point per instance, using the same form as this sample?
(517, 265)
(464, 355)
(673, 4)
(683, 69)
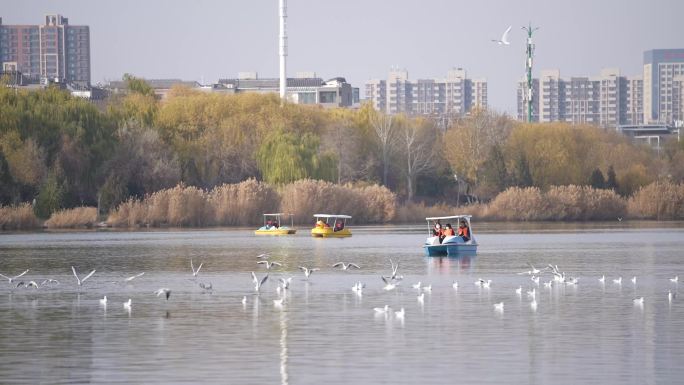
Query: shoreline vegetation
(205, 159)
(243, 204)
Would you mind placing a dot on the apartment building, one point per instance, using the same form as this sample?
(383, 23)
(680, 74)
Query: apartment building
(606, 100)
(662, 68)
(455, 94)
(54, 50)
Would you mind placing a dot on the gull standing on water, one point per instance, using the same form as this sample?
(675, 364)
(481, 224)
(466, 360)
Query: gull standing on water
(618, 281)
(634, 280)
(518, 291)
(416, 285)
(345, 266)
(381, 310)
(673, 280)
(399, 314)
(127, 305)
(81, 281)
(499, 306)
(602, 279)
(103, 301)
(639, 301)
(421, 298)
(455, 285)
(11, 279)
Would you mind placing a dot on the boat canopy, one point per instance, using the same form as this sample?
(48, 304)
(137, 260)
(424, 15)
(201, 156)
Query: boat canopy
(332, 216)
(276, 214)
(450, 217)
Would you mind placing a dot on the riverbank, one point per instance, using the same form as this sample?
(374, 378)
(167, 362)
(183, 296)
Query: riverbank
(244, 203)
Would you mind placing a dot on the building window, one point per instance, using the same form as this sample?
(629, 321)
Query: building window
(327, 96)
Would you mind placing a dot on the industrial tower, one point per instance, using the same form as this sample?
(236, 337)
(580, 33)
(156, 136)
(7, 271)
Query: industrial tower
(527, 97)
(283, 49)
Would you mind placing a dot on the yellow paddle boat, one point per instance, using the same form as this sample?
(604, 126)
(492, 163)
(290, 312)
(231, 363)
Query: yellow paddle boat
(331, 225)
(273, 225)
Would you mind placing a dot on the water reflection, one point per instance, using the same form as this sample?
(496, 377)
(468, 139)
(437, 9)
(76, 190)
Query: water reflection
(283, 348)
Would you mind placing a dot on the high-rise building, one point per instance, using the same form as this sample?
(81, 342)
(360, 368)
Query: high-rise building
(454, 95)
(661, 67)
(54, 50)
(606, 100)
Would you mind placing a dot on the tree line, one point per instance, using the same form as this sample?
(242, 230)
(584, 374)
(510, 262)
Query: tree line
(59, 151)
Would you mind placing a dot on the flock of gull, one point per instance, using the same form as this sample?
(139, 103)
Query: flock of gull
(390, 282)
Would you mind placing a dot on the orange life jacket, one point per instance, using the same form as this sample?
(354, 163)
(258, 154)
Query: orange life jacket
(463, 232)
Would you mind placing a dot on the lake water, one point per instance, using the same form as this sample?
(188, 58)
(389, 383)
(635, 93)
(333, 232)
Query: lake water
(325, 333)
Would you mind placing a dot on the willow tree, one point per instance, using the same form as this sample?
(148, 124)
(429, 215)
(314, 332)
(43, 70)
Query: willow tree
(285, 157)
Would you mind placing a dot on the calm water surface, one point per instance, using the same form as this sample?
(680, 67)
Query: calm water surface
(325, 333)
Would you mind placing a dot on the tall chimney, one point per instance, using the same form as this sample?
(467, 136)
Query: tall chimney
(283, 49)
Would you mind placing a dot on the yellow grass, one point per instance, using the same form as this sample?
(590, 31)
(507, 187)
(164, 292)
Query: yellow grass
(72, 218)
(19, 217)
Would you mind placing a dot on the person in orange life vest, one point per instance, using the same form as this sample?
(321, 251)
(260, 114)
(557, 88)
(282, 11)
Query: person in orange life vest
(463, 231)
(448, 230)
(437, 229)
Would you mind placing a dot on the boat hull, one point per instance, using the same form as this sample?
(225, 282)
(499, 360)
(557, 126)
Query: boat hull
(451, 246)
(273, 231)
(329, 233)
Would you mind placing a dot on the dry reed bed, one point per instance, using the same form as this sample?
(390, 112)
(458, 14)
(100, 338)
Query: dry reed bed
(659, 200)
(19, 217)
(243, 204)
(73, 218)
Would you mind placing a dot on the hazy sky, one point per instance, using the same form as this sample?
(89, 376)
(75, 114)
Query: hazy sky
(361, 39)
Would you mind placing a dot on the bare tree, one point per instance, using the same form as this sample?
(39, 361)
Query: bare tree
(417, 140)
(384, 129)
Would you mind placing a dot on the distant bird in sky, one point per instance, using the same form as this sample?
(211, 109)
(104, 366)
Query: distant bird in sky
(269, 264)
(345, 266)
(504, 38)
(257, 282)
(307, 271)
(129, 279)
(11, 279)
(81, 281)
(192, 266)
(165, 291)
